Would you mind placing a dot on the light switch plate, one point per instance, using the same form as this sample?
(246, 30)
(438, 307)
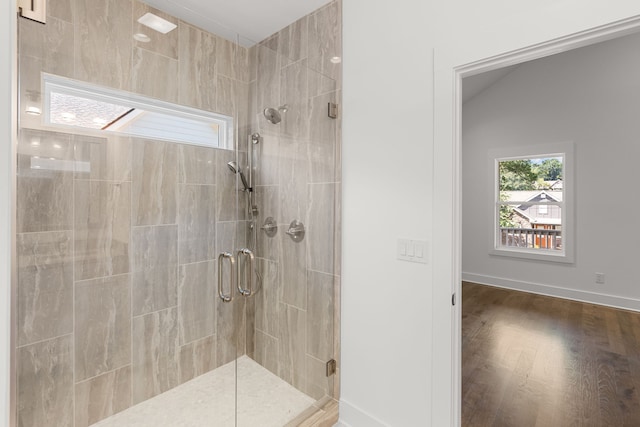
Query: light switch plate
(413, 250)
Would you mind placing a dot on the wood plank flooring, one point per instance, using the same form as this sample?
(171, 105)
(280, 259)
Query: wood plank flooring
(531, 360)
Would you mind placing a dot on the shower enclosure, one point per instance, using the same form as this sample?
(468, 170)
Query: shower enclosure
(177, 245)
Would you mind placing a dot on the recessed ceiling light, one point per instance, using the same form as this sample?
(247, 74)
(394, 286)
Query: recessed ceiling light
(57, 146)
(141, 37)
(34, 111)
(35, 142)
(336, 60)
(155, 22)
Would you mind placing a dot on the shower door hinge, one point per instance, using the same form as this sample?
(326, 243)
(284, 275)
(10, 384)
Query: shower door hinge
(35, 10)
(333, 110)
(453, 299)
(331, 367)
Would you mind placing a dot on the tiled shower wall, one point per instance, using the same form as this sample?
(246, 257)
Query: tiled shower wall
(298, 178)
(116, 272)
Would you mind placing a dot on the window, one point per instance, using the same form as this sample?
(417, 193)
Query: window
(532, 202)
(99, 109)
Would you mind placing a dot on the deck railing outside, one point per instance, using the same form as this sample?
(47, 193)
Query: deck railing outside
(534, 238)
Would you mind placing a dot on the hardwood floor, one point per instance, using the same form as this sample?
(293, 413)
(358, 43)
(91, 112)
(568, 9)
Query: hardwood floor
(531, 360)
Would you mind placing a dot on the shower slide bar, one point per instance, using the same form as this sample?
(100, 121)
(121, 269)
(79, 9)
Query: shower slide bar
(235, 272)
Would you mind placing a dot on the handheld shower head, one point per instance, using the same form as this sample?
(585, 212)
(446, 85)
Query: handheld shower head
(233, 166)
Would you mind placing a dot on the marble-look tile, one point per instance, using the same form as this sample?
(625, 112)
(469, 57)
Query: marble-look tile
(45, 383)
(155, 354)
(102, 310)
(319, 84)
(107, 159)
(197, 67)
(267, 306)
(155, 268)
(267, 199)
(323, 128)
(197, 165)
(232, 60)
(293, 271)
(320, 315)
(155, 182)
(321, 232)
(102, 396)
(291, 346)
(45, 195)
(196, 223)
(29, 90)
(102, 228)
(227, 188)
(323, 135)
(154, 75)
(226, 238)
(230, 328)
(197, 358)
(45, 286)
(318, 385)
(271, 42)
(293, 94)
(233, 100)
(266, 353)
(322, 162)
(293, 176)
(163, 44)
(197, 301)
(61, 9)
(103, 42)
(325, 40)
(294, 39)
(51, 43)
(268, 84)
(337, 337)
(268, 153)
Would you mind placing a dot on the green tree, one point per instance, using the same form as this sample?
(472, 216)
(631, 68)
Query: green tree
(517, 175)
(506, 213)
(550, 169)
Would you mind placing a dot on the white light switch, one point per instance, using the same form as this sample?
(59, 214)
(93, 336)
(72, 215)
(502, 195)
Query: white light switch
(412, 250)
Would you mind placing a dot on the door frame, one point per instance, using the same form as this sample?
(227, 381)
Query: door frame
(563, 44)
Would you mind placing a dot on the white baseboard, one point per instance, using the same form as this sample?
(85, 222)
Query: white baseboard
(352, 416)
(555, 291)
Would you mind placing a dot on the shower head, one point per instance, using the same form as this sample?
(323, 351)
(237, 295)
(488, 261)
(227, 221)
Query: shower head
(272, 115)
(235, 169)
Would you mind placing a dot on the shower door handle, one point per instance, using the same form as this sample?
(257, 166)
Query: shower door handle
(248, 277)
(232, 273)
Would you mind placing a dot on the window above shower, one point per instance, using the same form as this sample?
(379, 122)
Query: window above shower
(71, 103)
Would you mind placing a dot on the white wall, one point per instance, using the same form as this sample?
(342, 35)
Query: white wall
(7, 50)
(389, 373)
(386, 338)
(591, 97)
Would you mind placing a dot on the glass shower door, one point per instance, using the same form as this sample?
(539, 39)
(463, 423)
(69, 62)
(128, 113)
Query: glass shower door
(119, 321)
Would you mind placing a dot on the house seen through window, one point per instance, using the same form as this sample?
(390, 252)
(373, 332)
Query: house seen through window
(530, 204)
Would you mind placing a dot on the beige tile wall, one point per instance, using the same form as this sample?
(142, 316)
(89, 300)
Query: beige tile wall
(116, 265)
(296, 314)
(116, 295)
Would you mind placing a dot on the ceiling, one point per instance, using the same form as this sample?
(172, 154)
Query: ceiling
(473, 85)
(245, 21)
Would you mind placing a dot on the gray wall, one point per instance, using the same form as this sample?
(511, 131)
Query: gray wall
(590, 97)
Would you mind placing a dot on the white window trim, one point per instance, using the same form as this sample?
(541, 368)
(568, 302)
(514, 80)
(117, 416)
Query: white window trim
(68, 86)
(567, 151)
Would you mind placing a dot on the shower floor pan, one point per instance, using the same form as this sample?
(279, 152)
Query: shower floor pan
(264, 400)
